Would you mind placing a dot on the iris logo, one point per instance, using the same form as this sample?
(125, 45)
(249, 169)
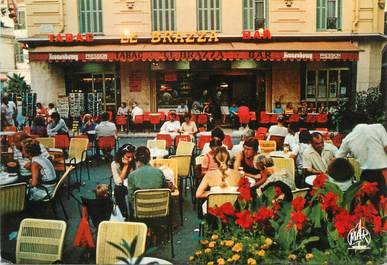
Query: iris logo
(359, 237)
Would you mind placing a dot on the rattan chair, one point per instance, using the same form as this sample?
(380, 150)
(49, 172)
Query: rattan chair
(48, 142)
(356, 167)
(267, 146)
(300, 192)
(185, 148)
(115, 232)
(78, 155)
(157, 144)
(154, 205)
(40, 241)
(12, 198)
(184, 172)
(172, 163)
(287, 164)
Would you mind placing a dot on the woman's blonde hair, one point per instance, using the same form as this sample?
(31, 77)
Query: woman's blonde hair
(221, 158)
(101, 191)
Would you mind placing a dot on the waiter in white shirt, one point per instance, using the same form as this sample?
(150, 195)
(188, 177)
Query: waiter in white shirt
(368, 144)
(173, 125)
(279, 129)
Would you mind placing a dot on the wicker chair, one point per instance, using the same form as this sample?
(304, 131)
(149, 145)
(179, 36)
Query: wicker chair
(12, 198)
(287, 164)
(185, 148)
(48, 142)
(115, 232)
(184, 172)
(40, 241)
(154, 204)
(78, 155)
(158, 144)
(267, 146)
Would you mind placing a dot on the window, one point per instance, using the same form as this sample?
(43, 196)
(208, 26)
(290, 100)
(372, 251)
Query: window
(90, 12)
(328, 14)
(163, 15)
(254, 14)
(19, 56)
(208, 14)
(21, 20)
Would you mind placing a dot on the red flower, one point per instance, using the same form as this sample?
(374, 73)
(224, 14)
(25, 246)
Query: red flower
(344, 222)
(385, 226)
(377, 224)
(368, 188)
(218, 213)
(383, 203)
(244, 189)
(244, 219)
(367, 211)
(275, 206)
(297, 219)
(329, 201)
(319, 181)
(225, 209)
(298, 203)
(278, 191)
(228, 209)
(263, 214)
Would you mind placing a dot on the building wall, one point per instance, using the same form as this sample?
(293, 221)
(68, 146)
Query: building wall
(7, 48)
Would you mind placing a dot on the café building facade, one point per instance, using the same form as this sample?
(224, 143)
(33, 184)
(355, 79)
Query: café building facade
(161, 69)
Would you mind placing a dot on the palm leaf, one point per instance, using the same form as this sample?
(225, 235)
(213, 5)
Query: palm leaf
(123, 250)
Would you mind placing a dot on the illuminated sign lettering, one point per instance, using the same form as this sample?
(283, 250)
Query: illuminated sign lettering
(69, 38)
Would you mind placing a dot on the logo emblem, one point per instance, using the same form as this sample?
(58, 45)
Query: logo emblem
(359, 237)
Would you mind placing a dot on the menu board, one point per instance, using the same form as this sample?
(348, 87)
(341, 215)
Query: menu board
(135, 81)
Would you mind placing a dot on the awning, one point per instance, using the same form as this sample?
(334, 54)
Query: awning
(274, 51)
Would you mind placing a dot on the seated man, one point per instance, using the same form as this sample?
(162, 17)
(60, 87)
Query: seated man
(317, 155)
(173, 125)
(291, 139)
(106, 128)
(145, 176)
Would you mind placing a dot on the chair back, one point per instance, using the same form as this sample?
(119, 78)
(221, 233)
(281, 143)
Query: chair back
(264, 118)
(228, 141)
(182, 137)
(184, 164)
(106, 142)
(356, 167)
(155, 119)
(185, 148)
(294, 118)
(310, 118)
(267, 146)
(274, 118)
(194, 117)
(202, 119)
(138, 119)
(12, 198)
(287, 164)
(253, 116)
(300, 192)
(337, 140)
(322, 118)
(147, 116)
(279, 141)
(61, 181)
(244, 119)
(48, 142)
(77, 147)
(40, 241)
(218, 199)
(262, 130)
(152, 203)
(98, 209)
(166, 137)
(62, 141)
(27, 130)
(171, 163)
(115, 232)
(121, 120)
(203, 140)
(156, 144)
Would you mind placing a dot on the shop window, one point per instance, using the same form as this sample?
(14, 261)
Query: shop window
(254, 14)
(329, 14)
(163, 15)
(327, 84)
(21, 19)
(209, 15)
(19, 56)
(90, 16)
(173, 89)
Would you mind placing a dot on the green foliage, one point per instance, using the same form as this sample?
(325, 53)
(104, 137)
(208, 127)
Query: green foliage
(17, 84)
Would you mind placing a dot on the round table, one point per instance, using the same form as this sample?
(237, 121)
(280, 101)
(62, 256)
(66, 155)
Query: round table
(8, 178)
(158, 153)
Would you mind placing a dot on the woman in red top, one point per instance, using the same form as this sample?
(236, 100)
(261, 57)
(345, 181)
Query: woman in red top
(40, 110)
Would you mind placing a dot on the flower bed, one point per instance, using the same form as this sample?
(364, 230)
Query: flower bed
(316, 229)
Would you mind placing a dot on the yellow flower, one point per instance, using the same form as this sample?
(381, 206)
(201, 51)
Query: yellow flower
(261, 253)
(221, 261)
(309, 256)
(207, 251)
(222, 243)
(292, 257)
(204, 241)
(230, 260)
(369, 262)
(198, 253)
(210, 263)
(191, 258)
(251, 261)
(264, 246)
(214, 237)
(237, 247)
(229, 243)
(268, 242)
(212, 244)
(235, 257)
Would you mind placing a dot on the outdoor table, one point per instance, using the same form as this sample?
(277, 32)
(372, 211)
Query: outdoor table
(148, 260)
(158, 153)
(8, 178)
(279, 154)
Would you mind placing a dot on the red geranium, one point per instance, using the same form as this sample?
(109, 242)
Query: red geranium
(263, 214)
(329, 201)
(319, 181)
(368, 188)
(244, 219)
(225, 209)
(297, 219)
(278, 191)
(228, 209)
(218, 213)
(344, 222)
(383, 203)
(298, 203)
(377, 224)
(244, 189)
(367, 211)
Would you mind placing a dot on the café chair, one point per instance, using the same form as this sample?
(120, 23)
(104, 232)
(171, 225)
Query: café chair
(264, 118)
(48, 142)
(155, 120)
(62, 141)
(294, 118)
(202, 119)
(184, 173)
(156, 144)
(78, 155)
(12, 198)
(138, 121)
(167, 138)
(267, 146)
(182, 137)
(287, 164)
(40, 241)
(98, 210)
(115, 232)
(185, 148)
(153, 206)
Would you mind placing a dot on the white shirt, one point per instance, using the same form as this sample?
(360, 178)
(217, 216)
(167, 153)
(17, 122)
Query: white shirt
(299, 152)
(278, 131)
(170, 126)
(51, 111)
(122, 111)
(291, 140)
(137, 111)
(105, 128)
(312, 159)
(366, 143)
(8, 111)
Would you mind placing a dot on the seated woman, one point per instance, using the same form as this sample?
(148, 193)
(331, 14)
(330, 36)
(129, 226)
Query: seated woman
(87, 124)
(123, 110)
(41, 110)
(122, 165)
(43, 177)
(209, 163)
(289, 108)
(39, 126)
(278, 109)
(188, 126)
(341, 172)
(57, 125)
